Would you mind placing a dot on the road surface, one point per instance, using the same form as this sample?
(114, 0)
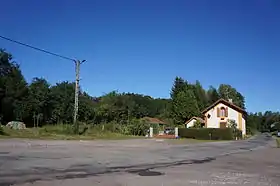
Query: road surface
(138, 162)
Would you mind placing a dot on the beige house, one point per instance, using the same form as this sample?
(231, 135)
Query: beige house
(219, 113)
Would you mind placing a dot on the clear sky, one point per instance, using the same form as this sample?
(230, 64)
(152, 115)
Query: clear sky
(141, 45)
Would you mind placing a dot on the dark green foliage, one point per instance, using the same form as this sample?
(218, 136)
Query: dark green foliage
(179, 85)
(155, 127)
(184, 103)
(13, 89)
(212, 95)
(197, 125)
(40, 103)
(276, 126)
(138, 127)
(1, 130)
(61, 98)
(200, 96)
(209, 133)
(122, 108)
(38, 100)
(262, 121)
(185, 106)
(228, 92)
(135, 127)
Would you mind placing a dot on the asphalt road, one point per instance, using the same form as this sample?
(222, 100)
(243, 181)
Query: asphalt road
(134, 162)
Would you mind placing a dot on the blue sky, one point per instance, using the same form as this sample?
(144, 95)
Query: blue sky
(141, 45)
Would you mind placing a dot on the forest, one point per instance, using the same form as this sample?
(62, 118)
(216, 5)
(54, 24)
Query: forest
(39, 103)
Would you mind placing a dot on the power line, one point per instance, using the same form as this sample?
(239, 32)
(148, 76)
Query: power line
(77, 69)
(38, 49)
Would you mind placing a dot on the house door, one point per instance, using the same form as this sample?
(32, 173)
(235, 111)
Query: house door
(223, 125)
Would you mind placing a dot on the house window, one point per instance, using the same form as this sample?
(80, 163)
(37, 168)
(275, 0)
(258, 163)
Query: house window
(222, 112)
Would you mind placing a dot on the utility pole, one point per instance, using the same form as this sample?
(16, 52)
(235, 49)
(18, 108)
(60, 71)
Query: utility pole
(77, 68)
(77, 91)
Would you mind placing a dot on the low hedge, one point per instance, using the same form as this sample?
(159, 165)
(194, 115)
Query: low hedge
(210, 133)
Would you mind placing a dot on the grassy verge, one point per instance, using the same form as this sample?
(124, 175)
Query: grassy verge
(60, 132)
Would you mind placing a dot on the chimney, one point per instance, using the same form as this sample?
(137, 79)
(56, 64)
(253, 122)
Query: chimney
(230, 100)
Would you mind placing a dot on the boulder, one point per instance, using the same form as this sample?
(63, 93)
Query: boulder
(16, 125)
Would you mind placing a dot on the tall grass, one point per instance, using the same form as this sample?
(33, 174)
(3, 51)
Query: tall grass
(135, 127)
(66, 131)
(57, 129)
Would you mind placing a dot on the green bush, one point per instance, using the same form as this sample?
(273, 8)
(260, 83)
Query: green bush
(197, 125)
(155, 127)
(210, 133)
(134, 127)
(138, 127)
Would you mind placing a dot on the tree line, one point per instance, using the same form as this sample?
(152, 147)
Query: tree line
(189, 99)
(40, 103)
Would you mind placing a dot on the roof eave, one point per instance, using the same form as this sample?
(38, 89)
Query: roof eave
(223, 100)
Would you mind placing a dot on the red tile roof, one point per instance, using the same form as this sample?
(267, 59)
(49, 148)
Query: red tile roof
(153, 120)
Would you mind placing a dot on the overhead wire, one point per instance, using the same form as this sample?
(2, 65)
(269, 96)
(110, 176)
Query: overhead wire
(36, 48)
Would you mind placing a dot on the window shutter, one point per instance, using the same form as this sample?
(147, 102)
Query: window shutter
(226, 112)
(218, 112)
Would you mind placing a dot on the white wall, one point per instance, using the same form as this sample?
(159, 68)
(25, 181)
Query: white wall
(191, 123)
(243, 126)
(213, 121)
(232, 115)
